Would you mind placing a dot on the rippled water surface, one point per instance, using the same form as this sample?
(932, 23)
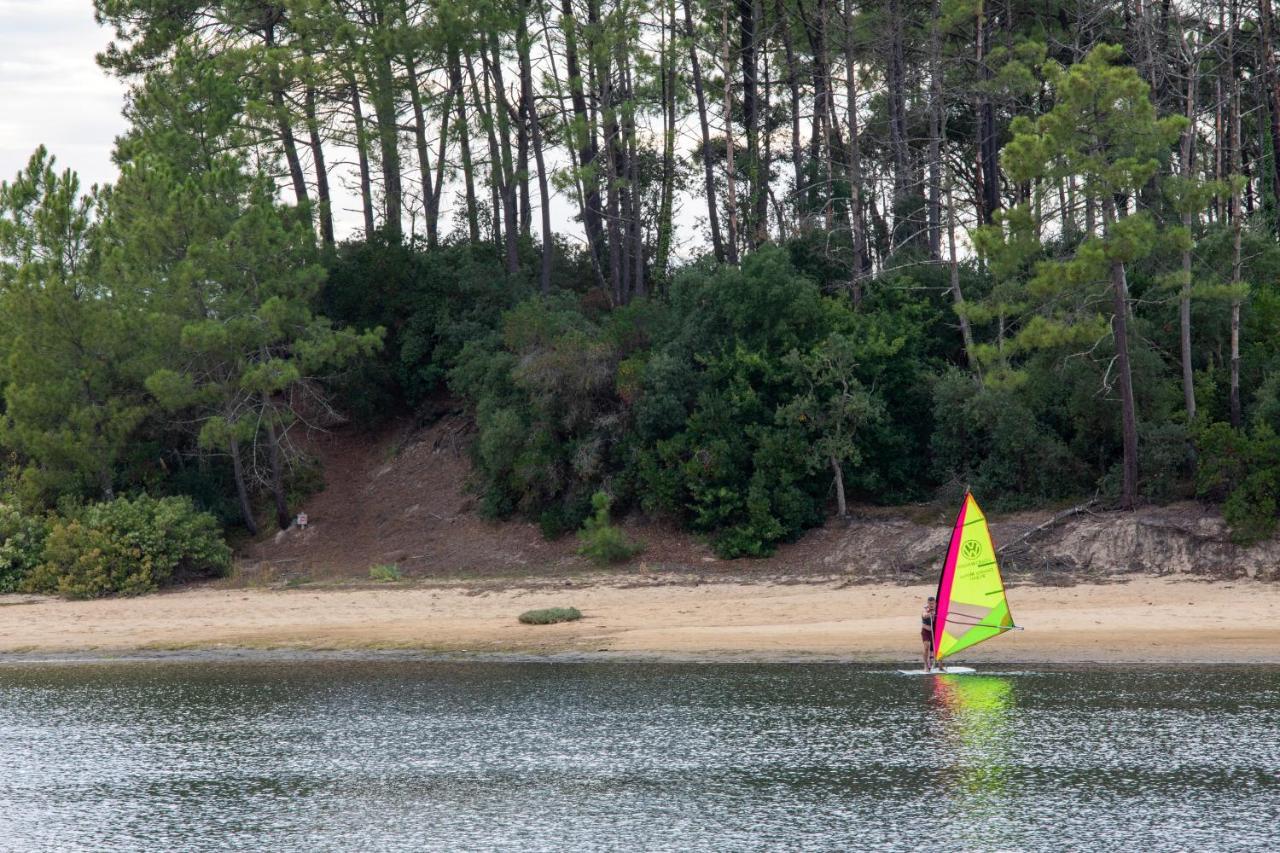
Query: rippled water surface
(396, 755)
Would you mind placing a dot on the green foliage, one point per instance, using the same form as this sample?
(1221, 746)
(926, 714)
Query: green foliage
(22, 540)
(431, 304)
(69, 360)
(755, 383)
(1244, 469)
(385, 572)
(989, 440)
(129, 546)
(550, 615)
(167, 333)
(600, 540)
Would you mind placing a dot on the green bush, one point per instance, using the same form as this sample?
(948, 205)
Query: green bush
(601, 541)
(387, 572)
(1243, 468)
(22, 539)
(129, 546)
(550, 616)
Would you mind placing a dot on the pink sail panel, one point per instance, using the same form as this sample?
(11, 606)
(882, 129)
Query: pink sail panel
(948, 573)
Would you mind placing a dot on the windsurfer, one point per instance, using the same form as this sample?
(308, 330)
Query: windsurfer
(926, 632)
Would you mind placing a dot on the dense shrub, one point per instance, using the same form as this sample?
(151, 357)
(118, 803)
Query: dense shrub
(1242, 469)
(756, 381)
(22, 539)
(600, 540)
(733, 400)
(990, 440)
(432, 303)
(129, 546)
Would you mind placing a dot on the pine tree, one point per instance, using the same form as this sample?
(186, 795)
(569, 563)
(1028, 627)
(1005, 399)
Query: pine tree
(1103, 131)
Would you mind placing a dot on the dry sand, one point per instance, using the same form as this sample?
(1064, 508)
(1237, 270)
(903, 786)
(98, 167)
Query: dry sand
(1146, 619)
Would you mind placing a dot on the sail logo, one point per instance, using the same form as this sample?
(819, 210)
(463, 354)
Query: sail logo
(971, 549)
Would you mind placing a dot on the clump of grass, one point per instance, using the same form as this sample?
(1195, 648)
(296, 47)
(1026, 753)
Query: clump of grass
(601, 541)
(550, 615)
(387, 572)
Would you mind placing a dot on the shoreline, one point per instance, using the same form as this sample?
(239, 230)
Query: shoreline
(234, 655)
(1137, 620)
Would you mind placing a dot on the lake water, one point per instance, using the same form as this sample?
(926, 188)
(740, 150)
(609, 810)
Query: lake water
(379, 754)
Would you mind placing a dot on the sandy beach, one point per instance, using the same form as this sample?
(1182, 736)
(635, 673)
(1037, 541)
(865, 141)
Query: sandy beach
(1147, 619)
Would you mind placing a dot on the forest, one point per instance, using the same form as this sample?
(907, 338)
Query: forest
(733, 263)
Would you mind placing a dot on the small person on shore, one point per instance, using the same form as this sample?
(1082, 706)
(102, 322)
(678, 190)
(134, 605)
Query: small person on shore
(927, 619)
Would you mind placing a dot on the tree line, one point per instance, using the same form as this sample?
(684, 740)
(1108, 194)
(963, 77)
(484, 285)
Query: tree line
(820, 249)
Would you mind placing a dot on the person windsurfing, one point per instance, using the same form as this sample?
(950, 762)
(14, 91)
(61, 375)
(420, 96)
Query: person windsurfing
(927, 619)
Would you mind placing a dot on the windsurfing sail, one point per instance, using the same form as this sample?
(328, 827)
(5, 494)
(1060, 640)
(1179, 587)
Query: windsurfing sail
(971, 603)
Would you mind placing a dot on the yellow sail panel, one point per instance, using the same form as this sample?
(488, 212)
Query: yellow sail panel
(971, 600)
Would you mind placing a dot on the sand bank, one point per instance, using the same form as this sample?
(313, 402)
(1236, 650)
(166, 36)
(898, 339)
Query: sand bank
(1147, 619)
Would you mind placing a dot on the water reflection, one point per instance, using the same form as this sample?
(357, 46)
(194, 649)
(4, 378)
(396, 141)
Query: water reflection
(974, 713)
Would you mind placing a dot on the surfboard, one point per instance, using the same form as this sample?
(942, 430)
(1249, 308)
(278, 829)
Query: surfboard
(951, 670)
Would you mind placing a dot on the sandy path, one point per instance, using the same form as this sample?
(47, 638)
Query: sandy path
(1146, 619)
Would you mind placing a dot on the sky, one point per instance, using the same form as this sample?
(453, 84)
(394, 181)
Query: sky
(52, 92)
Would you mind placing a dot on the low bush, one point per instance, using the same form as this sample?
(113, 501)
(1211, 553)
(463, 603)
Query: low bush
(129, 546)
(550, 615)
(387, 572)
(22, 539)
(1243, 470)
(601, 541)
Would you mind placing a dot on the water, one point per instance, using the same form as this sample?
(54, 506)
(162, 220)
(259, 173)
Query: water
(403, 755)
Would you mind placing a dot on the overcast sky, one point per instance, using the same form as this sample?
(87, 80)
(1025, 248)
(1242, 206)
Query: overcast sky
(52, 91)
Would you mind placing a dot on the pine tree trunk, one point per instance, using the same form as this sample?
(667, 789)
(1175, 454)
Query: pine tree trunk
(857, 234)
(936, 123)
(535, 132)
(731, 198)
(287, 140)
(667, 203)
(896, 94)
(1237, 142)
(957, 296)
(757, 224)
(275, 459)
(713, 218)
(988, 151)
(1188, 222)
(510, 218)
(522, 170)
(1272, 82)
(242, 490)
(793, 86)
(464, 145)
(362, 156)
(638, 286)
(496, 173)
(1128, 406)
(324, 205)
(442, 147)
(388, 143)
(420, 139)
(820, 137)
(584, 137)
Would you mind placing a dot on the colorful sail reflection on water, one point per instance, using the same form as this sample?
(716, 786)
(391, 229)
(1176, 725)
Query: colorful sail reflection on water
(971, 602)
